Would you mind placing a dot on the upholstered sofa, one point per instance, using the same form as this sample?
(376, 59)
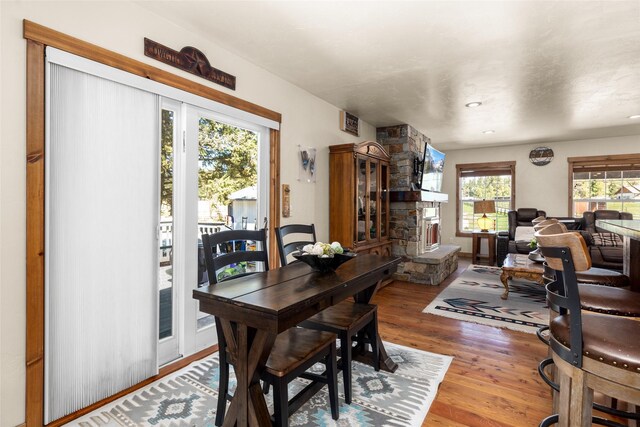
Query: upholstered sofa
(506, 240)
(510, 242)
(605, 248)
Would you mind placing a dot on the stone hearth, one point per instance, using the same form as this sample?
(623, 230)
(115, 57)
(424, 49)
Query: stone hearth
(430, 268)
(414, 226)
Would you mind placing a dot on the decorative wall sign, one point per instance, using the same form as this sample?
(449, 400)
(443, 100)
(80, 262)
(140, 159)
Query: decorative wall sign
(349, 123)
(190, 60)
(541, 156)
(286, 201)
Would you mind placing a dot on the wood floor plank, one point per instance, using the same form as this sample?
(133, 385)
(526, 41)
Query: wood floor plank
(493, 379)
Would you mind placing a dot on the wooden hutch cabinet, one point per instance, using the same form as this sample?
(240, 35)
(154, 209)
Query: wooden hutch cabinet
(359, 197)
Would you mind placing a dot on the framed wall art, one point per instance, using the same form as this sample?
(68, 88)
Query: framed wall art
(307, 164)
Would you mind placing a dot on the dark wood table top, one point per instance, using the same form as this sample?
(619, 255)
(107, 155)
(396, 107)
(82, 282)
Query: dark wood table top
(624, 227)
(278, 299)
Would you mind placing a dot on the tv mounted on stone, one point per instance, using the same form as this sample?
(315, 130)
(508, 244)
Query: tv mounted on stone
(430, 169)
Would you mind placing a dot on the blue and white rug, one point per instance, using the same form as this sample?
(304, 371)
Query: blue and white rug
(474, 296)
(188, 397)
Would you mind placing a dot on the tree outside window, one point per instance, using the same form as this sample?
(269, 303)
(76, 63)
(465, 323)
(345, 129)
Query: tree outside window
(484, 181)
(611, 189)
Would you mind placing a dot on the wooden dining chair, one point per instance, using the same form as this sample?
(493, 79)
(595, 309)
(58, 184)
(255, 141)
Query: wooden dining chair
(346, 319)
(227, 256)
(306, 236)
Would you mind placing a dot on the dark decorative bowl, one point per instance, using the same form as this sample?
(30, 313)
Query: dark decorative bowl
(324, 265)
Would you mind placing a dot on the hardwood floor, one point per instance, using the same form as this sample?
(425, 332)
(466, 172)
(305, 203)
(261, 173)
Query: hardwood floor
(493, 380)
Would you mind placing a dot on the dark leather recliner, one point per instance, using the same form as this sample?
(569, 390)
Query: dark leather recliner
(506, 243)
(602, 256)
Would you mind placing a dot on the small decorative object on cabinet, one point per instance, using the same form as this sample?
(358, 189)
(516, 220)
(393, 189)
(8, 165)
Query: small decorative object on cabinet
(359, 197)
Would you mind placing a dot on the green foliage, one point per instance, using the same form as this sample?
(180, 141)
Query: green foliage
(598, 190)
(228, 161)
(580, 189)
(486, 187)
(228, 158)
(497, 188)
(596, 186)
(231, 271)
(166, 163)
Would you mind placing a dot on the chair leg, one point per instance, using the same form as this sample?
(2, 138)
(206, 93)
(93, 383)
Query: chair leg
(332, 381)
(223, 390)
(265, 387)
(280, 403)
(636, 409)
(581, 399)
(564, 403)
(345, 355)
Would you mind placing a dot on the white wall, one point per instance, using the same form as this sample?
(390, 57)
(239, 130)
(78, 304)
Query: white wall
(541, 187)
(121, 27)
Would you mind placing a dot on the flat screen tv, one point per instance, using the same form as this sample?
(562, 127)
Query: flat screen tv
(430, 178)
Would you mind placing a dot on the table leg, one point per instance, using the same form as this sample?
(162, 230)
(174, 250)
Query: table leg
(504, 278)
(248, 350)
(475, 248)
(386, 363)
(492, 249)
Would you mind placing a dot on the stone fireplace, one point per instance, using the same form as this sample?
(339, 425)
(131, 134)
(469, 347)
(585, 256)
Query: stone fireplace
(415, 221)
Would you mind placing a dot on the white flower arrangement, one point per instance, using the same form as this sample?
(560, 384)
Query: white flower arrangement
(323, 250)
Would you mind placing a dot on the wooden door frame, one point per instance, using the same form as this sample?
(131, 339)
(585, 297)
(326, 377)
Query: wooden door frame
(38, 38)
(486, 166)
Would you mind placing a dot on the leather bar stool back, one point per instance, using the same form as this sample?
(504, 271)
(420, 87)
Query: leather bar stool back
(599, 293)
(595, 298)
(548, 222)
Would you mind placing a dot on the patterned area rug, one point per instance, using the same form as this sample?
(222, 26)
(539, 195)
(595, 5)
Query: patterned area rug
(188, 398)
(475, 297)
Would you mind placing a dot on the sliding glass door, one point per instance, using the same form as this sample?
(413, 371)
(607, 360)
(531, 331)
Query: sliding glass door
(213, 169)
(168, 319)
(135, 171)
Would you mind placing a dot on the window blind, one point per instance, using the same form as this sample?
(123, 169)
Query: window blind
(101, 213)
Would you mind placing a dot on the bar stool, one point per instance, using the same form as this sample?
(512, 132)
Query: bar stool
(596, 285)
(547, 222)
(596, 297)
(591, 351)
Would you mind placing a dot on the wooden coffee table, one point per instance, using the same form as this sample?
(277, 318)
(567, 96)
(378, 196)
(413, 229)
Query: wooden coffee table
(519, 266)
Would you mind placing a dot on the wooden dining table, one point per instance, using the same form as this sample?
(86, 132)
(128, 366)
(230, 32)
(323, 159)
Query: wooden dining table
(629, 229)
(253, 310)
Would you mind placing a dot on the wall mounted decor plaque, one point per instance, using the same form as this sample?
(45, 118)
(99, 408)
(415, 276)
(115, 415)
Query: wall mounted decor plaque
(349, 123)
(541, 156)
(189, 59)
(307, 168)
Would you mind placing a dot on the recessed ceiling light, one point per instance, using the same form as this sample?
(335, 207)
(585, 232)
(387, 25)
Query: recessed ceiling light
(635, 116)
(489, 131)
(473, 104)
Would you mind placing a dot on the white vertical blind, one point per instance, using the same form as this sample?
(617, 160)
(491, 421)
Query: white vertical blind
(102, 211)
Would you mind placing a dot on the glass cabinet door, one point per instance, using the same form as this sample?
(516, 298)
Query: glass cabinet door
(362, 217)
(384, 204)
(373, 200)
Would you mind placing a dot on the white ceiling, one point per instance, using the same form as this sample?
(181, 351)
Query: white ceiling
(544, 70)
